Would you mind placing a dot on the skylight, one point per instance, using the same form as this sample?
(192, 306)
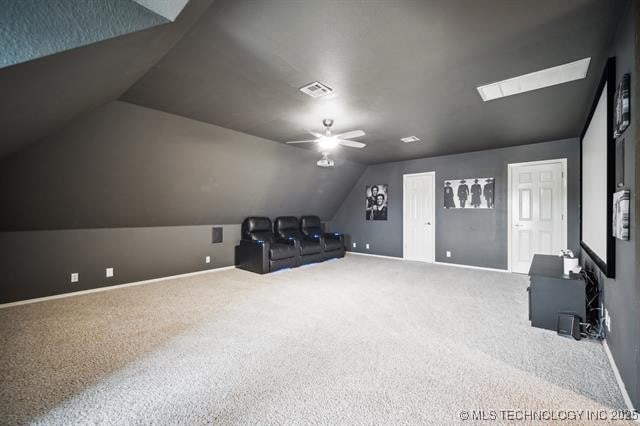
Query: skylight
(536, 80)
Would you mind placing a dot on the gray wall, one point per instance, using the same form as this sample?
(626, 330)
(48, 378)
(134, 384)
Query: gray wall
(636, 113)
(40, 263)
(476, 238)
(622, 294)
(126, 166)
(128, 187)
(44, 95)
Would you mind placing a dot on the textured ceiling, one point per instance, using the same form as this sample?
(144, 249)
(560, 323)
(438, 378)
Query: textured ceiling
(41, 96)
(398, 68)
(170, 9)
(31, 29)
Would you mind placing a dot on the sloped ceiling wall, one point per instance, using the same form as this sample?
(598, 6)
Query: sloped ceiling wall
(31, 29)
(124, 165)
(398, 68)
(41, 96)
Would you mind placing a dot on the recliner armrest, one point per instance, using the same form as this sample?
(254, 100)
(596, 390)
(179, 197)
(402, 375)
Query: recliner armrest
(263, 245)
(290, 241)
(253, 255)
(333, 235)
(311, 238)
(314, 237)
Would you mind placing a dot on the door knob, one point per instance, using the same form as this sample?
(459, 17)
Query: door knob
(428, 223)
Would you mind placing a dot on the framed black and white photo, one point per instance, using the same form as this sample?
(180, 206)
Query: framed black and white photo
(621, 104)
(376, 202)
(469, 193)
(621, 214)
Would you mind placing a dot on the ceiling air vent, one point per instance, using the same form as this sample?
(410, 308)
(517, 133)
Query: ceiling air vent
(409, 139)
(316, 89)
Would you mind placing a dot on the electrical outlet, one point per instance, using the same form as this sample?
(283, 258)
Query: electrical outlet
(355, 245)
(109, 272)
(75, 277)
(448, 253)
(207, 259)
(366, 246)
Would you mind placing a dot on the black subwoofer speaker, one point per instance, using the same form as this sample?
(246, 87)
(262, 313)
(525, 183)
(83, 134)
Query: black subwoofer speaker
(569, 325)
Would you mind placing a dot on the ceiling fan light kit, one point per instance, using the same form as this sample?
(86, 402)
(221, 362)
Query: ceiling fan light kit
(328, 141)
(325, 161)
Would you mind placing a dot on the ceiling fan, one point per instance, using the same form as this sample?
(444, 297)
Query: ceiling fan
(329, 141)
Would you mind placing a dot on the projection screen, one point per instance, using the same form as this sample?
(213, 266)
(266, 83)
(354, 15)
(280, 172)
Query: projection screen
(598, 176)
(594, 180)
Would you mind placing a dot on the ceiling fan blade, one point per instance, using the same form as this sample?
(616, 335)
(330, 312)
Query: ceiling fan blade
(316, 134)
(350, 135)
(352, 144)
(309, 140)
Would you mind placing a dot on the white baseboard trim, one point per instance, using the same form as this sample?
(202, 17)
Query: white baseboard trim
(111, 287)
(616, 373)
(435, 263)
(374, 255)
(482, 268)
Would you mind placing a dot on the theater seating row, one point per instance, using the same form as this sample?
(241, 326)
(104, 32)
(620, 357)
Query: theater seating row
(287, 243)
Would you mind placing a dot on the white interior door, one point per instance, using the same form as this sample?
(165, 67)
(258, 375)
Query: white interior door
(419, 217)
(538, 211)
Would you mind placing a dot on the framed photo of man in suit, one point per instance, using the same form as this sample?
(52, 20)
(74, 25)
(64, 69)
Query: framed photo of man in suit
(376, 202)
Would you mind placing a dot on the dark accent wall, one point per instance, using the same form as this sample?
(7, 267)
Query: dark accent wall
(40, 263)
(636, 106)
(43, 96)
(477, 238)
(128, 166)
(622, 293)
(137, 189)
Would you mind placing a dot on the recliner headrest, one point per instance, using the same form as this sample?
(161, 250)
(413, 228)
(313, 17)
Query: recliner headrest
(256, 224)
(310, 222)
(285, 223)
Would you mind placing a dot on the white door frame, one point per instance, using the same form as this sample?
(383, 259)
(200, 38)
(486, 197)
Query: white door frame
(563, 162)
(433, 212)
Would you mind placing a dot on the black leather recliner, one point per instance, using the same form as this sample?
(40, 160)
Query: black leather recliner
(332, 243)
(310, 248)
(261, 251)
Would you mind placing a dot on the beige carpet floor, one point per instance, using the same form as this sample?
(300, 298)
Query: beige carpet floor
(359, 340)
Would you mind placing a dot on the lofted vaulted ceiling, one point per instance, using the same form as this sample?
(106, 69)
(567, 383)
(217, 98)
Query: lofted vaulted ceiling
(398, 68)
(40, 97)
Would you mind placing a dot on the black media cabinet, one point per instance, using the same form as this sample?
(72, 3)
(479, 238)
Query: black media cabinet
(551, 292)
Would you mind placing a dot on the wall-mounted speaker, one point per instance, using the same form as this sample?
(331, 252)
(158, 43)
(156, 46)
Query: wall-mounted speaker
(216, 234)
